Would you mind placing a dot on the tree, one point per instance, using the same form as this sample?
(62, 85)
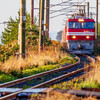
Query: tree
(32, 34)
(11, 31)
(59, 36)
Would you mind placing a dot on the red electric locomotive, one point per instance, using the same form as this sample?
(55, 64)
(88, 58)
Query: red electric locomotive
(78, 35)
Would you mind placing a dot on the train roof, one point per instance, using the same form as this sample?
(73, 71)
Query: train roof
(77, 17)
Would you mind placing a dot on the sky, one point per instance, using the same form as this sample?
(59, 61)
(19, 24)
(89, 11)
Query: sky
(9, 8)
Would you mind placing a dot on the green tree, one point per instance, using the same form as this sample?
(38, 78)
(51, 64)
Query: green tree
(11, 31)
(59, 36)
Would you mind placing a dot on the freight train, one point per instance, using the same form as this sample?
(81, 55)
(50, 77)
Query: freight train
(78, 35)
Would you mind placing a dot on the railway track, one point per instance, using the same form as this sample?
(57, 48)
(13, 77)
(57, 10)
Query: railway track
(13, 95)
(11, 83)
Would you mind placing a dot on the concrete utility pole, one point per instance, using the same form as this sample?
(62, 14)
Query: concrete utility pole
(47, 5)
(96, 31)
(32, 12)
(41, 28)
(87, 9)
(22, 27)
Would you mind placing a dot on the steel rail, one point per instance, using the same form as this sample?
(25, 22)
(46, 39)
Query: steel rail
(90, 58)
(13, 95)
(60, 78)
(18, 81)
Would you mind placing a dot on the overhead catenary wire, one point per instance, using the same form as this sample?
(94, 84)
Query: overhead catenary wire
(62, 14)
(66, 9)
(72, 5)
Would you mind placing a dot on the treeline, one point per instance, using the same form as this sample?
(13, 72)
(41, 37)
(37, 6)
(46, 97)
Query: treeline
(10, 37)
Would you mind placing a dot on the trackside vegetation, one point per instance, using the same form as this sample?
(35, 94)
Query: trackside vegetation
(51, 57)
(90, 80)
(14, 71)
(4, 77)
(56, 95)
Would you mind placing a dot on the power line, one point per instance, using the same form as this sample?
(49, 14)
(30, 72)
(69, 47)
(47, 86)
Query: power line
(66, 8)
(62, 14)
(59, 4)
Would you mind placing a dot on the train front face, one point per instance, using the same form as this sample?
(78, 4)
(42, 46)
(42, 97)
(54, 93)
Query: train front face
(80, 36)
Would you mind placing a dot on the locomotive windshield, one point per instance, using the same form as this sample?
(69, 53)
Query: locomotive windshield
(81, 25)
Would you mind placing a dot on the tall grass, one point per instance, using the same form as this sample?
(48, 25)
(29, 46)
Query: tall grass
(93, 79)
(96, 75)
(33, 60)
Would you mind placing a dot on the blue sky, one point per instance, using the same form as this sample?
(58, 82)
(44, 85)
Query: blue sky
(10, 8)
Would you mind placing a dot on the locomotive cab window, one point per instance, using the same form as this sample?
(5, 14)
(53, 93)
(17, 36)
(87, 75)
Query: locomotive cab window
(81, 25)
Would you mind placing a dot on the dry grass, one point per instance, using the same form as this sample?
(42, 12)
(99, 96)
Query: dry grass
(34, 59)
(94, 74)
(60, 96)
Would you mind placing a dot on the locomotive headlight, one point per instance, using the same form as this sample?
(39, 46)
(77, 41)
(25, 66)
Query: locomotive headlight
(87, 37)
(81, 20)
(74, 37)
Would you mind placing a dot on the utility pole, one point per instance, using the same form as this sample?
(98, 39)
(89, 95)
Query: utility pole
(79, 11)
(39, 12)
(87, 9)
(47, 5)
(41, 26)
(22, 27)
(91, 15)
(32, 12)
(84, 9)
(96, 31)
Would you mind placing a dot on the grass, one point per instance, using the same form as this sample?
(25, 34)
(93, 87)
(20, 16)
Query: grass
(72, 84)
(33, 60)
(92, 80)
(94, 75)
(40, 69)
(89, 84)
(36, 63)
(6, 77)
(54, 95)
